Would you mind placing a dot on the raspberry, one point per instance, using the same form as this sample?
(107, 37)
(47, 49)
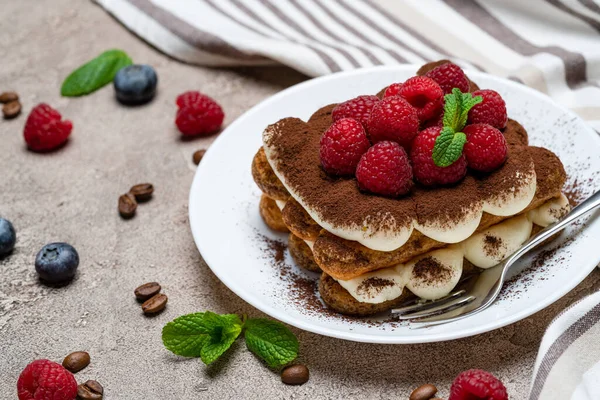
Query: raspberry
(342, 146)
(492, 110)
(46, 380)
(44, 130)
(438, 121)
(358, 108)
(425, 169)
(392, 90)
(198, 114)
(476, 384)
(425, 95)
(393, 118)
(449, 76)
(385, 170)
(485, 149)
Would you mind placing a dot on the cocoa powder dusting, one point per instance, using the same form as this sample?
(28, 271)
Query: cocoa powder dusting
(430, 270)
(302, 288)
(492, 246)
(373, 286)
(294, 152)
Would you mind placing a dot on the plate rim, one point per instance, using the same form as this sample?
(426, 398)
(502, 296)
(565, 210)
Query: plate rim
(353, 336)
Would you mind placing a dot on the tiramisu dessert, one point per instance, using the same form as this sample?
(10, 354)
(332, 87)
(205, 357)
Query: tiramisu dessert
(402, 193)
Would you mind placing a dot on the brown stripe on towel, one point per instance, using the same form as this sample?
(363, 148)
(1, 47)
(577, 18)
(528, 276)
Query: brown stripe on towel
(330, 62)
(560, 345)
(394, 54)
(575, 63)
(331, 34)
(193, 36)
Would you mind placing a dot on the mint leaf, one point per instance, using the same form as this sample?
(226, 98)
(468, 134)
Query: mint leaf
(95, 73)
(271, 341)
(448, 147)
(456, 108)
(206, 335)
(221, 338)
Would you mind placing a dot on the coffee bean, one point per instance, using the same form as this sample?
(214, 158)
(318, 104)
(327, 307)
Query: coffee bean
(7, 97)
(147, 290)
(295, 375)
(423, 392)
(77, 361)
(127, 205)
(91, 390)
(197, 157)
(155, 304)
(12, 109)
(142, 192)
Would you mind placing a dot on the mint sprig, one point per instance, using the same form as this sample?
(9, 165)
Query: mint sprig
(448, 147)
(94, 74)
(449, 144)
(271, 341)
(208, 335)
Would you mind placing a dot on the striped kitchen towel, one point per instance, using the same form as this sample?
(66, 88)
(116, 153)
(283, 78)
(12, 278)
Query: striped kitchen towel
(568, 363)
(550, 45)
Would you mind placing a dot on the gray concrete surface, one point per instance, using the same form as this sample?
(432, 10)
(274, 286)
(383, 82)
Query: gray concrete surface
(71, 196)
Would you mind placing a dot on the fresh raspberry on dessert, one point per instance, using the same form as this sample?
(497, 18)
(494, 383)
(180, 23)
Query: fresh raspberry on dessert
(425, 95)
(342, 146)
(476, 384)
(358, 108)
(46, 380)
(198, 114)
(486, 148)
(437, 121)
(492, 110)
(449, 76)
(385, 170)
(393, 118)
(45, 130)
(424, 168)
(392, 90)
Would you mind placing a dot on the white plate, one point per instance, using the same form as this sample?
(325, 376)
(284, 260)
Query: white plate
(227, 226)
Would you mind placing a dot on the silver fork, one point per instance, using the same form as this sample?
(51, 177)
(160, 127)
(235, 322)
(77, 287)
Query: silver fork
(478, 292)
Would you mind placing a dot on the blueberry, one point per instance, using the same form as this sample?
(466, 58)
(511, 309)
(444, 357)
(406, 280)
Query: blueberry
(135, 84)
(57, 262)
(8, 237)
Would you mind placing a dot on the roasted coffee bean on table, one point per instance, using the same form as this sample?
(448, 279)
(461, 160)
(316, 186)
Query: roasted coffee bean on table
(76, 361)
(7, 97)
(127, 205)
(423, 392)
(295, 374)
(142, 191)
(147, 290)
(12, 109)
(197, 157)
(155, 304)
(90, 390)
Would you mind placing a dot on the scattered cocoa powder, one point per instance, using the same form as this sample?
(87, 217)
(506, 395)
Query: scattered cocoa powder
(294, 151)
(430, 270)
(492, 245)
(373, 286)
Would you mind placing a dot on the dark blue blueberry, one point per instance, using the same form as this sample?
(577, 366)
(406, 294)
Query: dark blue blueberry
(57, 262)
(135, 84)
(8, 237)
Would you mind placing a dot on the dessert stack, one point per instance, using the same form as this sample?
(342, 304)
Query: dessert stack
(406, 192)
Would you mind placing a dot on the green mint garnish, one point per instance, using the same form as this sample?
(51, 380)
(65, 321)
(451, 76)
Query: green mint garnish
(208, 335)
(271, 341)
(94, 74)
(449, 145)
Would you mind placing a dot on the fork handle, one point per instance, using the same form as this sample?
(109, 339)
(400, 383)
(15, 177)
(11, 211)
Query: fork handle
(589, 204)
